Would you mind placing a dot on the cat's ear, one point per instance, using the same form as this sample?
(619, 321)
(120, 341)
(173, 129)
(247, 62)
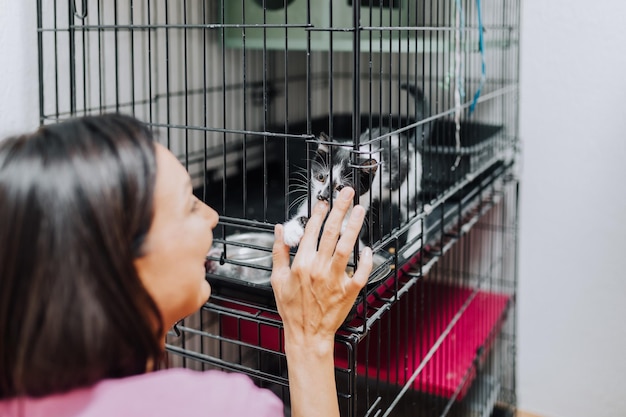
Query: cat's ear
(369, 166)
(367, 171)
(322, 152)
(322, 146)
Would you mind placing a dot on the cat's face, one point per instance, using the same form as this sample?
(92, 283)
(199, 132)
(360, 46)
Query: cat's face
(333, 169)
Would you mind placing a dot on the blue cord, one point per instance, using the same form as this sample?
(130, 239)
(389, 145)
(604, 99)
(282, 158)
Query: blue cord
(481, 48)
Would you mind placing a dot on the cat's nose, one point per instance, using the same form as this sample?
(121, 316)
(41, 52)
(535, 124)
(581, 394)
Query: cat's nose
(323, 196)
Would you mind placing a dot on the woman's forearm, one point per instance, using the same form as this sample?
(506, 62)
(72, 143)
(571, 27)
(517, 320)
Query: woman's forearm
(312, 379)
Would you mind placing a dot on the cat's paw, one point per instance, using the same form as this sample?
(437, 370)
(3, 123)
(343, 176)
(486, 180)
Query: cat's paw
(293, 231)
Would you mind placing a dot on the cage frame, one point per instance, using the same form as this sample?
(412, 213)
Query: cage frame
(453, 213)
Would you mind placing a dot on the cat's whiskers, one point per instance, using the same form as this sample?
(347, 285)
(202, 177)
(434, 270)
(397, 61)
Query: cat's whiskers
(298, 182)
(298, 178)
(301, 181)
(297, 190)
(297, 201)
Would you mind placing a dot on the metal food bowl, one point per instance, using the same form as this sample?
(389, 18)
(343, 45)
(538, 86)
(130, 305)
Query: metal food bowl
(253, 265)
(243, 262)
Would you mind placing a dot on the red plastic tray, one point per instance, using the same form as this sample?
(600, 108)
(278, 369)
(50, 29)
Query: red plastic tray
(398, 347)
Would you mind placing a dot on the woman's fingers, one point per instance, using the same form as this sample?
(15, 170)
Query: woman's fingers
(332, 227)
(350, 235)
(362, 273)
(329, 261)
(280, 251)
(308, 243)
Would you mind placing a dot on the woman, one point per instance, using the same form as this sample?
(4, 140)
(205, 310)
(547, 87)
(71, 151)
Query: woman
(102, 249)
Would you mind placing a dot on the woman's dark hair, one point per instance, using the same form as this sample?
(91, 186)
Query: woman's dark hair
(76, 201)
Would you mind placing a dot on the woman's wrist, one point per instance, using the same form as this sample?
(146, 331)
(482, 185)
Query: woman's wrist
(313, 346)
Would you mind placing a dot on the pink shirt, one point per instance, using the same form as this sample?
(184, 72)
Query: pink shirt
(172, 392)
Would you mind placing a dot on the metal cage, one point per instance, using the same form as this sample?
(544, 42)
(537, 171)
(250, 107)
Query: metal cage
(241, 91)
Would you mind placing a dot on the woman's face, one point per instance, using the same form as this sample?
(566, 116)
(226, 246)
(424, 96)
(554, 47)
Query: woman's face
(172, 267)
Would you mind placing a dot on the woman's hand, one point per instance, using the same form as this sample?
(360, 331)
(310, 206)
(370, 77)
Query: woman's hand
(314, 296)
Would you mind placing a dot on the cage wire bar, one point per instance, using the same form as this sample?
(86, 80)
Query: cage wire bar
(241, 91)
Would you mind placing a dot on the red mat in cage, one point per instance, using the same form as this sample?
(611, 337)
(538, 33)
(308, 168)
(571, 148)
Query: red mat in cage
(456, 329)
(403, 339)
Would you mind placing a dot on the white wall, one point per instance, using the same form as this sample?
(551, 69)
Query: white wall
(572, 344)
(19, 103)
(572, 354)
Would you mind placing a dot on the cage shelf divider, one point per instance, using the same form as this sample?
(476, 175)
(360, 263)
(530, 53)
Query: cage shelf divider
(405, 45)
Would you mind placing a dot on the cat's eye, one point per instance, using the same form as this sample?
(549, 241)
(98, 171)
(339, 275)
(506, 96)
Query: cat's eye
(320, 177)
(339, 187)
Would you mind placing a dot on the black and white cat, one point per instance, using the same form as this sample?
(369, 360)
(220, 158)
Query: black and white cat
(388, 169)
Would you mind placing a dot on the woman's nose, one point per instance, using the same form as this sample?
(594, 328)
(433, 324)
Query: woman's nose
(212, 216)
